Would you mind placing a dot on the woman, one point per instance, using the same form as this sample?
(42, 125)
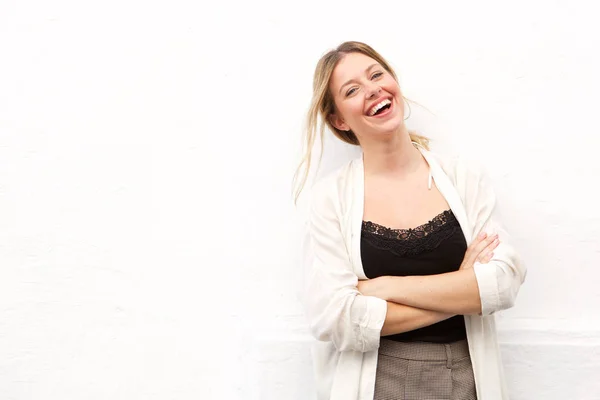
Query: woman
(408, 260)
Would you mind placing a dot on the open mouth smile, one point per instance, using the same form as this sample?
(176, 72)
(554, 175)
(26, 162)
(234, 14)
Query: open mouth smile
(380, 109)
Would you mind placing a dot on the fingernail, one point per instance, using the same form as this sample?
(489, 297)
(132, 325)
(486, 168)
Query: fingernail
(482, 235)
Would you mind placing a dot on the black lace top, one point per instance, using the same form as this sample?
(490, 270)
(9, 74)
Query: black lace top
(435, 247)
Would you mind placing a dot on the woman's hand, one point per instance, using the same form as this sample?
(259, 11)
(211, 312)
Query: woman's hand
(481, 250)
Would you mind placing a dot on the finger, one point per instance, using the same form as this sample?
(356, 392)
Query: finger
(485, 253)
(494, 244)
(470, 253)
(490, 241)
(490, 247)
(471, 249)
(483, 244)
(486, 258)
(488, 250)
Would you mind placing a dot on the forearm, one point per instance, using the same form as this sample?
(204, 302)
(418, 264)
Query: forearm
(402, 318)
(453, 292)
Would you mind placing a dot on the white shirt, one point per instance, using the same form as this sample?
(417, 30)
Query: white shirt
(348, 324)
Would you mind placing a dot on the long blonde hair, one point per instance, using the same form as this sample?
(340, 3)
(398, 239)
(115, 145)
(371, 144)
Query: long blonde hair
(322, 105)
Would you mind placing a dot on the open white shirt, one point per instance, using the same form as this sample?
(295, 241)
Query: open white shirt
(348, 324)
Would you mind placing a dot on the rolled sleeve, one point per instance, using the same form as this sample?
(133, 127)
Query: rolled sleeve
(500, 279)
(336, 310)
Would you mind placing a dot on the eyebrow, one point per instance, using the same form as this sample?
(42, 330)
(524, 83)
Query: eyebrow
(352, 80)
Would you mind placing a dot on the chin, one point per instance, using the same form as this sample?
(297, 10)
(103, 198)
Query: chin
(392, 126)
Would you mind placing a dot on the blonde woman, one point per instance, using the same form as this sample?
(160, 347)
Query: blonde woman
(408, 259)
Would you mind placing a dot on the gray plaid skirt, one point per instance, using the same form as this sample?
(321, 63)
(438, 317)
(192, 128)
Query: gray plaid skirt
(424, 371)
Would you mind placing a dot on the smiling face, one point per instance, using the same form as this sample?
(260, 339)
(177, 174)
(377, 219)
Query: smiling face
(367, 98)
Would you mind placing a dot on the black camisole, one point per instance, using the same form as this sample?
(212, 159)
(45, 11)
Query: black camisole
(435, 247)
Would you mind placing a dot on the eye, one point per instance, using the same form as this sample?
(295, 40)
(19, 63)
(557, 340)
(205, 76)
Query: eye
(376, 75)
(351, 91)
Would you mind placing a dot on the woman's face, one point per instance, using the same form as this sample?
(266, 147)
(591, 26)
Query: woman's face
(367, 97)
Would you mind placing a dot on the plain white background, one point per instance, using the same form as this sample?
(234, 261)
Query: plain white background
(149, 247)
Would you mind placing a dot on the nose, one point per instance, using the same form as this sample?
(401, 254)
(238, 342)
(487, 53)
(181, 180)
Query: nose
(373, 90)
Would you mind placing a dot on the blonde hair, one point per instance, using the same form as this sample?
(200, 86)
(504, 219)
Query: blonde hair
(322, 105)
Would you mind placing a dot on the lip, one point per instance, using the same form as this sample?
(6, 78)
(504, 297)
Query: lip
(386, 112)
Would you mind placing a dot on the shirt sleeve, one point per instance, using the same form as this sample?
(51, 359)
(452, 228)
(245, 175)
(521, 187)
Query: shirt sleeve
(336, 310)
(499, 280)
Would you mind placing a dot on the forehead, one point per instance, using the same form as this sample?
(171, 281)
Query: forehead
(352, 66)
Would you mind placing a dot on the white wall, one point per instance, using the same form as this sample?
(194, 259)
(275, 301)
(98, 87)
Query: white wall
(148, 243)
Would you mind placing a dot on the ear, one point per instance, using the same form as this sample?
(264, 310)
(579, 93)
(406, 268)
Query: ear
(338, 122)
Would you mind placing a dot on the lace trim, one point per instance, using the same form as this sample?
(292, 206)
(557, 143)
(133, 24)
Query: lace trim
(413, 241)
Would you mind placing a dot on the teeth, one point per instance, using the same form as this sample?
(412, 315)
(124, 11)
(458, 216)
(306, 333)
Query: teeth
(378, 106)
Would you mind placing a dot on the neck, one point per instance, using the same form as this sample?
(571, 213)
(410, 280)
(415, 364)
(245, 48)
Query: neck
(395, 156)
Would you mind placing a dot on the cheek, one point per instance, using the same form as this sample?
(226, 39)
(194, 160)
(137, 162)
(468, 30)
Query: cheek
(393, 87)
(355, 108)
(350, 110)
